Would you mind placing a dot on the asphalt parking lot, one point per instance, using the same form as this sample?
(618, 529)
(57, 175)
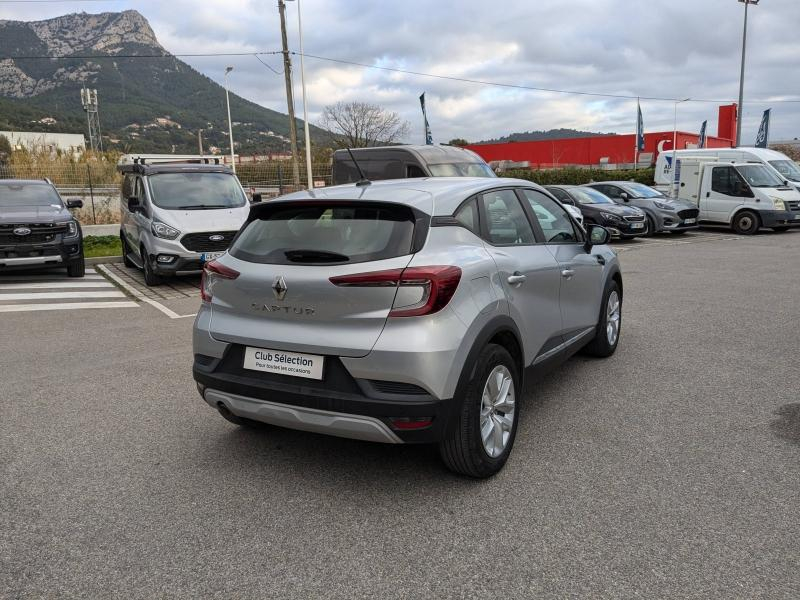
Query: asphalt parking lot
(670, 470)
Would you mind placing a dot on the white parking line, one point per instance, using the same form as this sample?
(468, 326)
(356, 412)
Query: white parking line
(43, 285)
(57, 295)
(64, 306)
(137, 294)
(45, 277)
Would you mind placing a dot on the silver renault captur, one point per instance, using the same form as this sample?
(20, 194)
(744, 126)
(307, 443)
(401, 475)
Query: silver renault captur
(403, 311)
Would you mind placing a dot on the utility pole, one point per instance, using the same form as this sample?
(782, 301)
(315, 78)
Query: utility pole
(230, 124)
(89, 103)
(200, 141)
(739, 111)
(287, 73)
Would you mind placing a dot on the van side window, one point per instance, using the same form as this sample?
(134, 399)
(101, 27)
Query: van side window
(725, 180)
(467, 215)
(413, 171)
(506, 223)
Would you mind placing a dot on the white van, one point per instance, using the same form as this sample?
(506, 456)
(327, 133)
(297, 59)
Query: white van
(783, 166)
(742, 195)
(177, 212)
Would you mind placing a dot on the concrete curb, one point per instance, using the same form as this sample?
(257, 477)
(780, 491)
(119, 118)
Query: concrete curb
(99, 260)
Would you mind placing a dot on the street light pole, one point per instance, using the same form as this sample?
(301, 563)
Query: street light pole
(741, 74)
(675, 147)
(230, 124)
(305, 101)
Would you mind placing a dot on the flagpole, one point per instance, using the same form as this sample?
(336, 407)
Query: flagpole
(636, 143)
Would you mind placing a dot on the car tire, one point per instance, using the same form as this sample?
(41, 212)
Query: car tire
(651, 227)
(126, 252)
(604, 343)
(746, 223)
(150, 277)
(464, 450)
(77, 268)
(780, 229)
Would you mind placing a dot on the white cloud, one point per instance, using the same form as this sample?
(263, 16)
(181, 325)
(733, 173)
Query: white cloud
(669, 48)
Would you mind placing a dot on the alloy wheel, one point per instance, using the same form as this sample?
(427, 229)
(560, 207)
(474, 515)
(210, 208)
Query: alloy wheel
(613, 314)
(497, 411)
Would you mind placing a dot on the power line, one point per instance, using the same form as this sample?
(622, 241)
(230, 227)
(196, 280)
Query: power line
(519, 86)
(381, 68)
(258, 58)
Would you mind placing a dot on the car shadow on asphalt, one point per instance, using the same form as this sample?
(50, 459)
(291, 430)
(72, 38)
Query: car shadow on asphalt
(274, 452)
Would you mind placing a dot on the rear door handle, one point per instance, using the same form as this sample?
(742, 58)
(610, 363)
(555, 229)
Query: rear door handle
(516, 278)
(567, 273)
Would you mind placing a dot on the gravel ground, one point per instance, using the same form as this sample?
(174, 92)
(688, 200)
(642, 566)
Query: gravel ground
(670, 470)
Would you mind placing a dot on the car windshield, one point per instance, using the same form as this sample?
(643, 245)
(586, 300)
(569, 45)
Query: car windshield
(787, 168)
(590, 196)
(28, 194)
(759, 176)
(461, 170)
(196, 191)
(640, 190)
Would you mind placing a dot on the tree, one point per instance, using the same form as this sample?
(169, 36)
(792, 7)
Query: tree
(5, 149)
(360, 124)
(458, 142)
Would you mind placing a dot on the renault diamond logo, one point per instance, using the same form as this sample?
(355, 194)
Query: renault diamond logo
(22, 231)
(279, 287)
(216, 237)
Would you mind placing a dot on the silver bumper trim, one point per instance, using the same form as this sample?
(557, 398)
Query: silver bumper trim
(357, 427)
(30, 260)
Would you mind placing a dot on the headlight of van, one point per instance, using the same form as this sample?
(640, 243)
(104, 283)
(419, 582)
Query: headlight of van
(162, 230)
(72, 229)
(778, 203)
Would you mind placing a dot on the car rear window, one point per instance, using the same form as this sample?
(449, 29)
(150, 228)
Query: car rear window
(306, 233)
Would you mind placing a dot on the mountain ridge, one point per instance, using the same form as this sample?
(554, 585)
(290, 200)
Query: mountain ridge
(151, 104)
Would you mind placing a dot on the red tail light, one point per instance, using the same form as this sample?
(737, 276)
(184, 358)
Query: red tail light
(437, 283)
(211, 271)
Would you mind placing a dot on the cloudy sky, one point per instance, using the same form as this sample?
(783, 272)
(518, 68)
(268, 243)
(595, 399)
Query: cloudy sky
(653, 48)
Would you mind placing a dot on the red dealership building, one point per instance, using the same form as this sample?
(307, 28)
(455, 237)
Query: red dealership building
(607, 149)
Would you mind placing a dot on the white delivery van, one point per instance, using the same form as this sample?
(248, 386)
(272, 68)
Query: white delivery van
(784, 167)
(743, 195)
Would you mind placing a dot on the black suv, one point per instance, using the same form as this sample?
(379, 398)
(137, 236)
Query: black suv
(37, 229)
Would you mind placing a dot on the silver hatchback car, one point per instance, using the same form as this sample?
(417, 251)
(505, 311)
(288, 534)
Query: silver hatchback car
(404, 311)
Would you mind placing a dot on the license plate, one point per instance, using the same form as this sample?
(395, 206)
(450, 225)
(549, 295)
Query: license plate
(207, 256)
(284, 363)
(690, 221)
(637, 226)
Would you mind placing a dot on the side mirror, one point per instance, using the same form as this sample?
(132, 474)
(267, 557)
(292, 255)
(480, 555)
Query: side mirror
(74, 203)
(256, 198)
(596, 235)
(133, 204)
(624, 196)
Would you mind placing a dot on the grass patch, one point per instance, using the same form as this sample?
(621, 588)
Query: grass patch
(102, 245)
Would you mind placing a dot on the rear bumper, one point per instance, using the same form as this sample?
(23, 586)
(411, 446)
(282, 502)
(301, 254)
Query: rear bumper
(339, 405)
(358, 427)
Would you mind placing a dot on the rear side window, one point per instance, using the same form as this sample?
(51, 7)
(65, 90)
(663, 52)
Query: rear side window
(506, 223)
(467, 216)
(326, 234)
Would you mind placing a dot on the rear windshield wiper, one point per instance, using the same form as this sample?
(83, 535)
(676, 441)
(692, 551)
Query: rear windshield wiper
(315, 256)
